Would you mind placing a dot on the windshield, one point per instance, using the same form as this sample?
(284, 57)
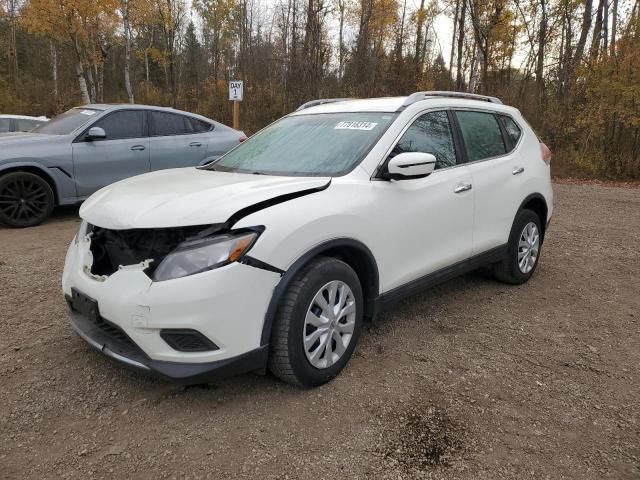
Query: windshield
(67, 122)
(328, 144)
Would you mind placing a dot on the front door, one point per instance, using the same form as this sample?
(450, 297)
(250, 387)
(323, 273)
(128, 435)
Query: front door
(122, 154)
(426, 223)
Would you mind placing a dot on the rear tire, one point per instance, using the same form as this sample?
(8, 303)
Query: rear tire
(310, 344)
(26, 200)
(523, 250)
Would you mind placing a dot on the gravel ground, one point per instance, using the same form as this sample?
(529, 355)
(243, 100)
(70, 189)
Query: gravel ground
(473, 379)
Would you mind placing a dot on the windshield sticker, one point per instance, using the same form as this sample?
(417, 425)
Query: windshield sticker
(87, 112)
(355, 126)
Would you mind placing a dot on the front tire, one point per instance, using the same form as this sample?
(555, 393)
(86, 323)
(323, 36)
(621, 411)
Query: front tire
(26, 200)
(523, 250)
(317, 324)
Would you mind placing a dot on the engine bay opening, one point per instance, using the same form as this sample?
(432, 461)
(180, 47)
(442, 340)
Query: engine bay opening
(112, 249)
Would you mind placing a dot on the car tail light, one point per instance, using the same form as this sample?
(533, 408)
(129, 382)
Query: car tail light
(243, 138)
(546, 153)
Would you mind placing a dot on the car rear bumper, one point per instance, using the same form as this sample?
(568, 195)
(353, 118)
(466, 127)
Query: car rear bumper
(130, 355)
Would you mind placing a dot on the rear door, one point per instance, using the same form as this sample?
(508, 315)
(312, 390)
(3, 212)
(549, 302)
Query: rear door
(497, 171)
(122, 154)
(176, 140)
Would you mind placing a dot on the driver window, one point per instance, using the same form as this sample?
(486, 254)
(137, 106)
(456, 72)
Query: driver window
(123, 124)
(430, 133)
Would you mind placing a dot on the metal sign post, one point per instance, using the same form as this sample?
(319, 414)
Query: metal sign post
(236, 88)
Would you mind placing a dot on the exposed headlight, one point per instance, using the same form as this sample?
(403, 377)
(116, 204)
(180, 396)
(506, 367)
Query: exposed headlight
(197, 256)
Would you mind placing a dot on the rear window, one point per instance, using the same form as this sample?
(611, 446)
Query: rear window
(5, 125)
(165, 124)
(512, 130)
(482, 135)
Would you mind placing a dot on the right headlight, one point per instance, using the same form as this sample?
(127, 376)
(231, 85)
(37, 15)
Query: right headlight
(200, 255)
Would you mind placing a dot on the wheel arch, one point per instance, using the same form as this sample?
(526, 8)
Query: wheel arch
(353, 252)
(537, 204)
(36, 170)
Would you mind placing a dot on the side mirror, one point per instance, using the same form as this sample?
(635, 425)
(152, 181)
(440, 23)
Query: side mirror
(96, 133)
(408, 165)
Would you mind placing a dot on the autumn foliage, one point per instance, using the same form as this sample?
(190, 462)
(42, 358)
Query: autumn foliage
(571, 66)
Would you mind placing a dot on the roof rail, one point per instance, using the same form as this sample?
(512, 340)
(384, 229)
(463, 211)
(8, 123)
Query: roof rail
(417, 96)
(320, 101)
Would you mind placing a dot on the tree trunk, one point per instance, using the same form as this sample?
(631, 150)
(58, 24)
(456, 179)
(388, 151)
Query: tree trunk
(614, 27)
(127, 50)
(418, 49)
(461, 21)
(453, 39)
(597, 30)
(584, 32)
(54, 72)
(542, 37)
(82, 83)
(341, 8)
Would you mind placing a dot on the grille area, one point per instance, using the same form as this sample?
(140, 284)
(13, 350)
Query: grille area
(113, 331)
(187, 340)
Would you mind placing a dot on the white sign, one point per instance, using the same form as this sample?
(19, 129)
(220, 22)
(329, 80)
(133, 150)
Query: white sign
(235, 90)
(355, 126)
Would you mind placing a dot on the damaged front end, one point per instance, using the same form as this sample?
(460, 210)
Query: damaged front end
(165, 253)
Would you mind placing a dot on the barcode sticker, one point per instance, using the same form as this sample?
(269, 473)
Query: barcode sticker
(355, 126)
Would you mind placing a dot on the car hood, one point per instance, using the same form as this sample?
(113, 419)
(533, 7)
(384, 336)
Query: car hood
(188, 196)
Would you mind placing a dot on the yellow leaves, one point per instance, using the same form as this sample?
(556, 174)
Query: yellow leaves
(66, 19)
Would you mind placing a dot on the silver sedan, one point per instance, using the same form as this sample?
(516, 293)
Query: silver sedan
(64, 161)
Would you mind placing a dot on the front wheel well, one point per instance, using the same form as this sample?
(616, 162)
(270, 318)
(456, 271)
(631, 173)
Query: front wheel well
(363, 264)
(353, 253)
(35, 171)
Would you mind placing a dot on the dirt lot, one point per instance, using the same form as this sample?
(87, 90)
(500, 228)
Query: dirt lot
(471, 380)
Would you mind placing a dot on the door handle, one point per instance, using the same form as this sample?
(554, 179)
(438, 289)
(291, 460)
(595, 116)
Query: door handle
(517, 171)
(137, 147)
(195, 144)
(463, 187)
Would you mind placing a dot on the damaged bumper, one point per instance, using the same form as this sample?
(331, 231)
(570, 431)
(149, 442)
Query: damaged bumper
(226, 305)
(188, 373)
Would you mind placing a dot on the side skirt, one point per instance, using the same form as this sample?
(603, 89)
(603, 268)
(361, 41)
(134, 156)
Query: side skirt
(387, 299)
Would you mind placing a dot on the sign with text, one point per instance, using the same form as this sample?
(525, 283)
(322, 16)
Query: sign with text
(235, 90)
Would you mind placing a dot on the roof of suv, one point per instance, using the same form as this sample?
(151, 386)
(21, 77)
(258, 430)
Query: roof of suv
(395, 104)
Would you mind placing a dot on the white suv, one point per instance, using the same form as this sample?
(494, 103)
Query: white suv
(275, 254)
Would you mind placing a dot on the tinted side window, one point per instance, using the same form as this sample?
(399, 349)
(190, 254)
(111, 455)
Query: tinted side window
(163, 124)
(512, 129)
(5, 125)
(123, 124)
(198, 126)
(482, 135)
(430, 133)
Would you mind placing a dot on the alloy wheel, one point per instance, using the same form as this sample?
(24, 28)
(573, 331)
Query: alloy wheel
(23, 200)
(528, 247)
(329, 324)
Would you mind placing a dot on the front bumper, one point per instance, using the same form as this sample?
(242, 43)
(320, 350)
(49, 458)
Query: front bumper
(227, 305)
(188, 373)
